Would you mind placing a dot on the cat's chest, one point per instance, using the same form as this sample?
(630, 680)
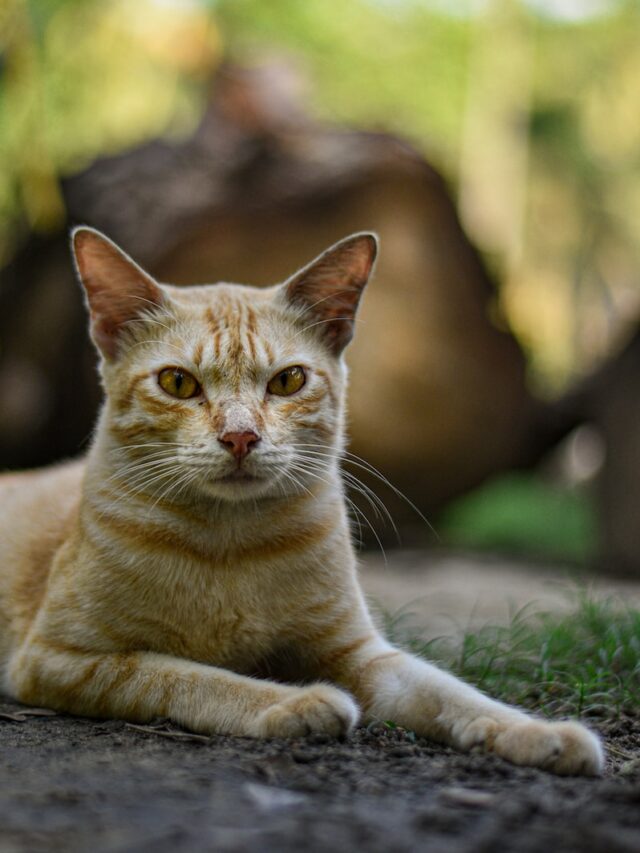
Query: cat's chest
(226, 617)
(225, 594)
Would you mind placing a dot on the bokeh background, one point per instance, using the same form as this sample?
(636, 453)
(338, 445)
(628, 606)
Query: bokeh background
(493, 144)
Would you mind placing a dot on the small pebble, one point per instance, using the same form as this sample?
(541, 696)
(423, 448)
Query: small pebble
(468, 797)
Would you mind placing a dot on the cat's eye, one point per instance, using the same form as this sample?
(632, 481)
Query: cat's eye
(178, 382)
(287, 382)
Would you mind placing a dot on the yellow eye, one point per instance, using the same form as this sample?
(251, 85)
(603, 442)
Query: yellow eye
(178, 383)
(287, 382)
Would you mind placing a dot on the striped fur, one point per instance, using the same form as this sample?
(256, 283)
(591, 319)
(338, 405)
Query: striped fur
(143, 582)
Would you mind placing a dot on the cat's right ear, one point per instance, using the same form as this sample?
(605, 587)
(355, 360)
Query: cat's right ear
(327, 291)
(117, 289)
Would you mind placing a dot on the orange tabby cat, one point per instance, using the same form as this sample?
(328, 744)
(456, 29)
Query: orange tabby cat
(202, 550)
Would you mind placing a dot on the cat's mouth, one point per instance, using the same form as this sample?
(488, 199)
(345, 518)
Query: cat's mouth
(237, 485)
(239, 476)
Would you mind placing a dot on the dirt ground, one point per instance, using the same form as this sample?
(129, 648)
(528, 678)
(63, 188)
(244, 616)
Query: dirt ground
(71, 784)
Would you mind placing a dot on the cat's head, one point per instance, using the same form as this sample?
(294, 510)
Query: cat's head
(226, 390)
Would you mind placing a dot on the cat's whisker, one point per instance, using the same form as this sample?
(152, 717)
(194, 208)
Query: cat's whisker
(137, 485)
(174, 486)
(154, 460)
(288, 475)
(149, 320)
(143, 485)
(373, 499)
(120, 487)
(299, 468)
(376, 502)
(124, 447)
(128, 484)
(322, 322)
(358, 513)
(311, 468)
(141, 473)
(167, 308)
(361, 512)
(193, 475)
(312, 454)
(145, 321)
(370, 469)
(359, 462)
(162, 343)
(132, 462)
(304, 311)
(142, 468)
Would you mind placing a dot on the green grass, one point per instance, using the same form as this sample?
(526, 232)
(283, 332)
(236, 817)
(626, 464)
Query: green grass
(584, 664)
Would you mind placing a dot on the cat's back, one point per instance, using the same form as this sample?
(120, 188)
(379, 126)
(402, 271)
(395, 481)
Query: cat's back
(37, 510)
(44, 494)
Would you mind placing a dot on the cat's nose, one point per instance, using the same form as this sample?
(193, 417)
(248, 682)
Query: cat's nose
(239, 444)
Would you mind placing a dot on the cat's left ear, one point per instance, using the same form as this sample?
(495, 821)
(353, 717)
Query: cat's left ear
(117, 289)
(328, 289)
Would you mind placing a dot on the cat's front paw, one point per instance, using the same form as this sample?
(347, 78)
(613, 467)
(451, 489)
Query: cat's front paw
(568, 749)
(310, 709)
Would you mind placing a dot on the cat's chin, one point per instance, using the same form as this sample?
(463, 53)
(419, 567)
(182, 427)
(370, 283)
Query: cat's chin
(238, 488)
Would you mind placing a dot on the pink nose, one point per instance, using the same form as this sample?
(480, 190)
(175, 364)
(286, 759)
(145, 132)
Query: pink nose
(239, 444)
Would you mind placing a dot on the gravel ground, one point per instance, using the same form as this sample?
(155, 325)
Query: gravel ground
(73, 784)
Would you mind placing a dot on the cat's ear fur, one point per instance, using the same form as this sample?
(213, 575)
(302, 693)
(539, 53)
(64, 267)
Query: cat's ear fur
(117, 289)
(328, 289)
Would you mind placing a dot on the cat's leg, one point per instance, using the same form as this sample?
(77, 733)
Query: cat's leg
(390, 684)
(139, 686)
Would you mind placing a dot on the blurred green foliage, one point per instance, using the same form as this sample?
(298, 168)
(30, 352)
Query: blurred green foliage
(400, 66)
(523, 514)
(84, 78)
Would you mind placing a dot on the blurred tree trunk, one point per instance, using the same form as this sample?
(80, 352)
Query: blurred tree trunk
(609, 399)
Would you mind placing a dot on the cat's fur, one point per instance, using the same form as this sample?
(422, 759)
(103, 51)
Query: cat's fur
(152, 580)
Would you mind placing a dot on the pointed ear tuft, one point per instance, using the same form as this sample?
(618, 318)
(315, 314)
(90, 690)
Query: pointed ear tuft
(117, 289)
(328, 289)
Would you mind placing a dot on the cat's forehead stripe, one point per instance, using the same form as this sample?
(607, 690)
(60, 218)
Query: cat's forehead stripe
(268, 350)
(198, 353)
(235, 346)
(251, 343)
(233, 330)
(250, 319)
(233, 334)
